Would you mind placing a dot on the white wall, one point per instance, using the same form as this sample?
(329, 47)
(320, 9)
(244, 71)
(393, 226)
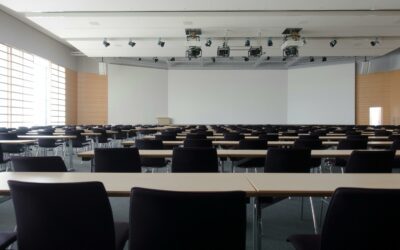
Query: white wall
(322, 95)
(227, 96)
(21, 36)
(136, 95)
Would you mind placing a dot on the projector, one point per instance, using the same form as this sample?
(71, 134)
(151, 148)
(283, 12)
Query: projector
(291, 42)
(255, 51)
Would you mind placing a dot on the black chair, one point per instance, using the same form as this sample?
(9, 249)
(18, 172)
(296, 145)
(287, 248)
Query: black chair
(196, 136)
(6, 239)
(151, 162)
(269, 137)
(310, 143)
(357, 219)
(382, 133)
(347, 144)
(233, 137)
(193, 160)
(123, 160)
(165, 220)
(166, 137)
(190, 143)
(370, 162)
(357, 137)
(253, 162)
(288, 160)
(394, 137)
(38, 164)
(11, 148)
(65, 216)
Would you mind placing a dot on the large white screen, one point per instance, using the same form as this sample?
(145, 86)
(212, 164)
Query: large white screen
(136, 95)
(322, 95)
(227, 96)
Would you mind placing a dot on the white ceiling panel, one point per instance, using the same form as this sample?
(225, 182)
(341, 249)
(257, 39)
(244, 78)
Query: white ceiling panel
(195, 5)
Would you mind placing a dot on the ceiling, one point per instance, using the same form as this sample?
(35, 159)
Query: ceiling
(84, 26)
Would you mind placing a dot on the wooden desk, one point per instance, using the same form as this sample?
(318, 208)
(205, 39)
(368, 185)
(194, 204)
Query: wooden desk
(245, 153)
(57, 137)
(23, 142)
(120, 184)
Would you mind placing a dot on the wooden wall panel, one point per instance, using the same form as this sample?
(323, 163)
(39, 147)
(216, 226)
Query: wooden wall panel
(92, 99)
(71, 97)
(378, 90)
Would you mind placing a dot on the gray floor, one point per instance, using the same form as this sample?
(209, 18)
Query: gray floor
(279, 220)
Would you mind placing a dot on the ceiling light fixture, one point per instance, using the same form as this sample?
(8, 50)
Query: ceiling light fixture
(161, 43)
(106, 43)
(375, 42)
(324, 59)
(333, 43)
(247, 43)
(311, 59)
(270, 42)
(155, 59)
(131, 43)
(208, 43)
(246, 59)
(172, 59)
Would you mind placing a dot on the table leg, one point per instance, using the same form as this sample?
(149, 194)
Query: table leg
(71, 154)
(256, 223)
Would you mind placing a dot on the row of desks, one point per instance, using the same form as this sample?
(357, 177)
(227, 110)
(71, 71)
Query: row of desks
(254, 185)
(245, 153)
(270, 143)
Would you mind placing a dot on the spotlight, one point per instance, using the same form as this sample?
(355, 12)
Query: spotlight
(208, 43)
(324, 59)
(284, 59)
(246, 59)
(255, 51)
(139, 59)
(270, 43)
(172, 59)
(268, 58)
(106, 43)
(131, 43)
(155, 59)
(213, 59)
(193, 52)
(161, 43)
(291, 51)
(311, 59)
(247, 43)
(223, 51)
(333, 43)
(375, 42)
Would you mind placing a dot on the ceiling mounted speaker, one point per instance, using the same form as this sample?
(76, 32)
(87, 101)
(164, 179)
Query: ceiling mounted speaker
(102, 68)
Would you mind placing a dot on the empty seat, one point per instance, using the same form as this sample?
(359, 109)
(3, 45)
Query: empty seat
(65, 216)
(167, 220)
(39, 164)
(233, 137)
(194, 160)
(151, 144)
(196, 136)
(357, 219)
(370, 162)
(117, 160)
(190, 143)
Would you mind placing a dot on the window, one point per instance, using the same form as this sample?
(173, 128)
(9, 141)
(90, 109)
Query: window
(32, 90)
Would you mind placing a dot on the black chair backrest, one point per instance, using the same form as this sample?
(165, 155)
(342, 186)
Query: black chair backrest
(395, 145)
(308, 143)
(166, 137)
(196, 160)
(382, 133)
(190, 143)
(62, 216)
(124, 160)
(269, 137)
(196, 136)
(394, 137)
(370, 162)
(309, 137)
(253, 144)
(233, 137)
(288, 160)
(150, 144)
(362, 219)
(357, 137)
(167, 216)
(38, 164)
(352, 132)
(352, 144)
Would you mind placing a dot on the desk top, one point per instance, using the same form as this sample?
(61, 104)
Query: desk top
(17, 141)
(120, 184)
(318, 184)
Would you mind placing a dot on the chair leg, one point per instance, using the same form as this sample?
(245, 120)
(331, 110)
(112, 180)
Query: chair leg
(313, 216)
(302, 209)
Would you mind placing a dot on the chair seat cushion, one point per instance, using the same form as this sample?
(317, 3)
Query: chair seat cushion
(7, 239)
(305, 241)
(121, 234)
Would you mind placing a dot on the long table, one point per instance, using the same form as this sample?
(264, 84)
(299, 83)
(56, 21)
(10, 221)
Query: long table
(245, 153)
(254, 185)
(270, 143)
